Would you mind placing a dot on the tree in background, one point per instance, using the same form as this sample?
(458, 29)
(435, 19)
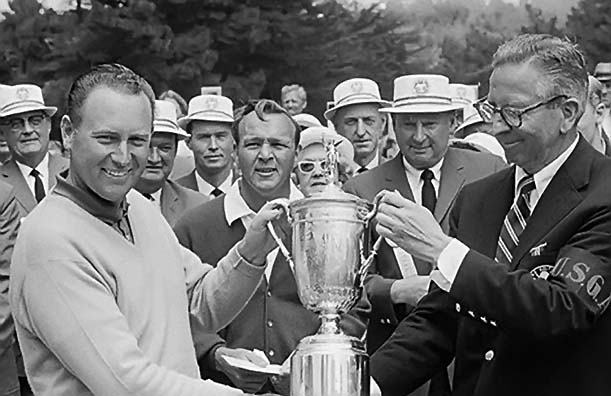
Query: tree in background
(590, 24)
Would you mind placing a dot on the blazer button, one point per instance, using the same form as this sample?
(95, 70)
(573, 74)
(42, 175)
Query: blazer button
(457, 307)
(270, 323)
(271, 353)
(489, 355)
(269, 293)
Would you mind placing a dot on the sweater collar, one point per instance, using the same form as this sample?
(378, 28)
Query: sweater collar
(89, 201)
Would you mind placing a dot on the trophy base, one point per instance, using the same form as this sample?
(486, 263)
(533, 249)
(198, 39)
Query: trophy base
(330, 365)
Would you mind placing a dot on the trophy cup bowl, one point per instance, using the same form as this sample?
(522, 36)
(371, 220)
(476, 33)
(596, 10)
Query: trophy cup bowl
(329, 268)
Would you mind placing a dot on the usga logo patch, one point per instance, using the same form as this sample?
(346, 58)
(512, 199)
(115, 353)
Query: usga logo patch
(541, 272)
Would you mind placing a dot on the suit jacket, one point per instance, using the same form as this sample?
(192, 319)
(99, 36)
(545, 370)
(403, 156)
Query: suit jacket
(537, 326)
(12, 175)
(459, 168)
(190, 182)
(274, 320)
(9, 224)
(176, 199)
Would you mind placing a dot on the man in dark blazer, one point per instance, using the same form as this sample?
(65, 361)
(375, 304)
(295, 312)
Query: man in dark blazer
(394, 289)
(274, 321)
(172, 198)
(208, 124)
(25, 122)
(521, 291)
(9, 224)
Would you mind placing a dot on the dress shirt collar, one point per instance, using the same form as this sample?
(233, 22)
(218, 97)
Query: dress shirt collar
(236, 208)
(42, 168)
(206, 188)
(94, 205)
(415, 174)
(545, 175)
(374, 162)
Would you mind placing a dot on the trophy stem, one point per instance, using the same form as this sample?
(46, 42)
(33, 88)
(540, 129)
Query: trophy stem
(329, 324)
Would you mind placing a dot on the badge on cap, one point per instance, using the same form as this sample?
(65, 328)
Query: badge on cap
(421, 87)
(356, 86)
(22, 93)
(211, 103)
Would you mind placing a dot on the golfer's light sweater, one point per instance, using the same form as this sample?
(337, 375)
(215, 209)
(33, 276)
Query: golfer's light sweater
(96, 314)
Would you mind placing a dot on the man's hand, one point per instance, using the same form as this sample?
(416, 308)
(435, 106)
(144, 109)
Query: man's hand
(409, 290)
(258, 242)
(248, 381)
(409, 225)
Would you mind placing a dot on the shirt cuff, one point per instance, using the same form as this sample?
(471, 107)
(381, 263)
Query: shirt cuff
(448, 264)
(241, 264)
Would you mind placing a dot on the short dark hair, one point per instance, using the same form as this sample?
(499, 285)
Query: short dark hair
(262, 108)
(114, 76)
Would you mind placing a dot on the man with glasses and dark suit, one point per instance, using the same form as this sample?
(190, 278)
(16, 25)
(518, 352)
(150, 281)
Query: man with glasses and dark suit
(522, 284)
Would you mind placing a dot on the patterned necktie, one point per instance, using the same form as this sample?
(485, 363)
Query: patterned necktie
(429, 198)
(515, 222)
(216, 192)
(39, 189)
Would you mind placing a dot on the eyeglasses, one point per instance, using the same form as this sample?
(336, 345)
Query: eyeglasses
(307, 167)
(17, 124)
(510, 115)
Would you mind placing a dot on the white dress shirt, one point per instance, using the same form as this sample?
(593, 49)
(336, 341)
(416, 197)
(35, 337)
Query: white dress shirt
(42, 168)
(452, 256)
(206, 188)
(236, 208)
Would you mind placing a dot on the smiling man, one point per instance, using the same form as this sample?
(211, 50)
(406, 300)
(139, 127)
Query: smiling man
(521, 292)
(274, 320)
(171, 198)
(103, 296)
(209, 126)
(25, 122)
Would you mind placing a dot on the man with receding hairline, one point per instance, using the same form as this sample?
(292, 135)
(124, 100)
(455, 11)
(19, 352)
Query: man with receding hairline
(103, 296)
(522, 285)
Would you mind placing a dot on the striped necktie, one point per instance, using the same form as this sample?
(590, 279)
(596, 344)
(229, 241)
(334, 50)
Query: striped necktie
(515, 222)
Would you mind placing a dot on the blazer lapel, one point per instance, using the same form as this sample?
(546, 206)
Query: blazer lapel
(396, 179)
(560, 196)
(452, 180)
(12, 175)
(169, 201)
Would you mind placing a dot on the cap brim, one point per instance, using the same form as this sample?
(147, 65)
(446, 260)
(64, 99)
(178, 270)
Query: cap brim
(331, 112)
(469, 123)
(49, 110)
(421, 108)
(178, 132)
(603, 78)
(184, 121)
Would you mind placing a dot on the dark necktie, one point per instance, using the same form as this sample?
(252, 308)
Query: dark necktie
(149, 197)
(361, 170)
(39, 189)
(216, 192)
(515, 222)
(429, 199)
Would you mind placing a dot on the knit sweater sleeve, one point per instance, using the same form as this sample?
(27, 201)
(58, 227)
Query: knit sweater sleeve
(217, 295)
(89, 334)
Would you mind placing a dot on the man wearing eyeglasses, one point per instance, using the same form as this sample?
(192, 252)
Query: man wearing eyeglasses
(25, 122)
(274, 320)
(522, 285)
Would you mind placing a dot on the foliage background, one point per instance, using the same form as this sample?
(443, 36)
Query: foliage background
(254, 47)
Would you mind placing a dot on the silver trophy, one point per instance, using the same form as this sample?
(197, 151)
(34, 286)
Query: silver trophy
(329, 266)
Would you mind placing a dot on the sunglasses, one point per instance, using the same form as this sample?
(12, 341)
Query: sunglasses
(307, 167)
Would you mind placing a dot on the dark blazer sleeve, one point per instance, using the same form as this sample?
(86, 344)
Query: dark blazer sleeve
(355, 321)
(422, 345)
(190, 235)
(9, 224)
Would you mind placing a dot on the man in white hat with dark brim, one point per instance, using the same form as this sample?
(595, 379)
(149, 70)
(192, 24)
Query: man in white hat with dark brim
(209, 126)
(355, 115)
(25, 122)
(172, 198)
(428, 173)
(311, 164)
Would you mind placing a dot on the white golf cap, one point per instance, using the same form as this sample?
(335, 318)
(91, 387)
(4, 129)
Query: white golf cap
(355, 91)
(422, 93)
(322, 134)
(22, 98)
(215, 108)
(165, 119)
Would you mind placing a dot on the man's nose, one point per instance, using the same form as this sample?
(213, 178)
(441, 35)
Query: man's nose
(121, 154)
(154, 156)
(214, 144)
(360, 128)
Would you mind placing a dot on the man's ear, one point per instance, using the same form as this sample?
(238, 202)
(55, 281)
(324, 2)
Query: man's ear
(571, 113)
(68, 131)
(188, 142)
(599, 113)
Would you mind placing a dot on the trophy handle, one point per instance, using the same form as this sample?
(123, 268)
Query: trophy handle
(284, 204)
